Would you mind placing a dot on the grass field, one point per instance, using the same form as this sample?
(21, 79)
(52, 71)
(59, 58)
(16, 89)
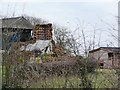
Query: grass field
(103, 78)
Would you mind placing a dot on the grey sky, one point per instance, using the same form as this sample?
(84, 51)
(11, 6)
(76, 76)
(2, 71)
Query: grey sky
(69, 13)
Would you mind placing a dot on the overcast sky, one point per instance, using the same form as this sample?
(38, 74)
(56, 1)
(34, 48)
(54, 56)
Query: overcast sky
(60, 1)
(68, 13)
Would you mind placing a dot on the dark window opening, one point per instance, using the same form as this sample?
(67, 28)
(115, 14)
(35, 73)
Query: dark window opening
(110, 56)
(25, 35)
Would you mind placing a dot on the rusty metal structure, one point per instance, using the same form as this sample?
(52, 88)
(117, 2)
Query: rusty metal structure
(42, 32)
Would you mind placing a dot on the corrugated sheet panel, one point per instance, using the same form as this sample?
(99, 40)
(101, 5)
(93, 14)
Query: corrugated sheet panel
(17, 22)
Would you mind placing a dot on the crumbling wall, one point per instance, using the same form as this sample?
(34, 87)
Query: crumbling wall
(42, 32)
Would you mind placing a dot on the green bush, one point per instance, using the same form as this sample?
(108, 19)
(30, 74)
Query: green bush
(86, 65)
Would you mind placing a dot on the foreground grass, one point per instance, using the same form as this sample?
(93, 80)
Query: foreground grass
(102, 78)
(0, 77)
(57, 82)
(105, 78)
(1, 71)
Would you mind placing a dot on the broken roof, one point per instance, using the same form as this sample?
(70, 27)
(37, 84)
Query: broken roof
(39, 45)
(113, 49)
(16, 22)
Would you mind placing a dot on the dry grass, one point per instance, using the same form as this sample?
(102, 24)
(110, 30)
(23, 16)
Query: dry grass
(102, 78)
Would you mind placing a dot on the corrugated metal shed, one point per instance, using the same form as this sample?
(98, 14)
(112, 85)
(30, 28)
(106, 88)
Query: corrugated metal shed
(15, 25)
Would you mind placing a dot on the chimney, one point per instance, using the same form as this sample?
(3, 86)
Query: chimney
(119, 24)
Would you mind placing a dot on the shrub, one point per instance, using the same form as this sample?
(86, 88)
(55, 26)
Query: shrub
(86, 65)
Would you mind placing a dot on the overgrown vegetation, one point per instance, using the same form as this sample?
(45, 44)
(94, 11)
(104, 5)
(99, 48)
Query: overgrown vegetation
(82, 72)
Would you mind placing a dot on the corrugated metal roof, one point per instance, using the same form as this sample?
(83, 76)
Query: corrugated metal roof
(16, 22)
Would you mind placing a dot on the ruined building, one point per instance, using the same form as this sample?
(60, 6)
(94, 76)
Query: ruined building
(109, 56)
(42, 35)
(42, 32)
(13, 30)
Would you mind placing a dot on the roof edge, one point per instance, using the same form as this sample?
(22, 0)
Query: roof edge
(91, 51)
